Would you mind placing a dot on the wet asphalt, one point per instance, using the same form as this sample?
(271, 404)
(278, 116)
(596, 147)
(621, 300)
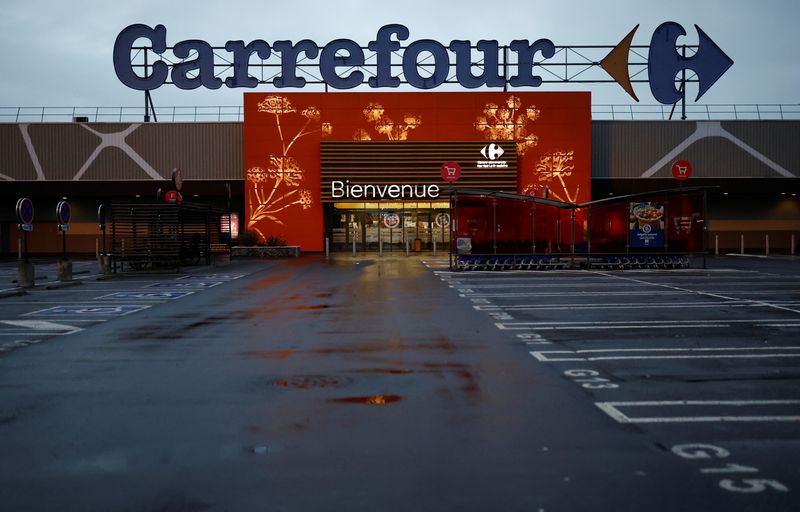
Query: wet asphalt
(393, 384)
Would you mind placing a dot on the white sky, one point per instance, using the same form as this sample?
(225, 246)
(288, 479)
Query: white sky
(58, 53)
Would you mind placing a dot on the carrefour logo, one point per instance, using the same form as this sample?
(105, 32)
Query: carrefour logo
(491, 152)
(387, 61)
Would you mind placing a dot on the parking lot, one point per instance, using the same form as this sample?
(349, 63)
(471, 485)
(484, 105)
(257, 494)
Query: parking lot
(704, 362)
(395, 384)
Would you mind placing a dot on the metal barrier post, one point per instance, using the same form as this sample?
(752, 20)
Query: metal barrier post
(19, 247)
(742, 244)
(96, 248)
(766, 238)
(380, 247)
(354, 245)
(716, 245)
(327, 248)
(792, 248)
(434, 247)
(408, 250)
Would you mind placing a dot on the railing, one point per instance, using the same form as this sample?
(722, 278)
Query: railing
(221, 113)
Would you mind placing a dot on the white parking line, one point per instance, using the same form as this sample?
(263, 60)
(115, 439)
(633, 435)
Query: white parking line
(672, 305)
(613, 410)
(642, 324)
(662, 353)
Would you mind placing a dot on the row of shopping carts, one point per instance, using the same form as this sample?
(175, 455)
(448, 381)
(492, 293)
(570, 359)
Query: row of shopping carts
(548, 262)
(631, 262)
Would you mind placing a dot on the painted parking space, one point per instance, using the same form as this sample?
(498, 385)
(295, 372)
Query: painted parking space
(213, 277)
(89, 310)
(137, 295)
(184, 284)
(709, 357)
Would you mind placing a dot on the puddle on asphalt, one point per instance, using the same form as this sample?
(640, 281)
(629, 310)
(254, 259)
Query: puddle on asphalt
(368, 400)
(385, 371)
(312, 381)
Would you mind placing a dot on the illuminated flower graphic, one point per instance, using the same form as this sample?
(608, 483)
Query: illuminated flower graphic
(276, 105)
(384, 125)
(312, 113)
(514, 102)
(277, 187)
(373, 112)
(256, 175)
(509, 122)
(555, 166)
(305, 199)
(285, 168)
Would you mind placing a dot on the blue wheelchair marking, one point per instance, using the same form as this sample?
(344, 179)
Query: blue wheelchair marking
(147, 295)
(184, 284)
(89, 309)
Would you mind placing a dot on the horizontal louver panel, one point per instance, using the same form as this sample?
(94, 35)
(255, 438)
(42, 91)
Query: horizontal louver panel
(414, 163)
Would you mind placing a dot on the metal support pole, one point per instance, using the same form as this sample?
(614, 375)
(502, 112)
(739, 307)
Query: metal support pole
(354, 243)
(716, 245)
(380, 247)
(408, 248)
(742, 244)
(19, 246)
(327, 248)
(96, 248)
(791, 249)
(434, 247)
(766, 237)
(683, 85)
(494, 224)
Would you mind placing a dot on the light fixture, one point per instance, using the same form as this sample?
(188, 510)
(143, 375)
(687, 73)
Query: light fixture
(783, 193)
(64, 198)
(724, 193)
(138, 195)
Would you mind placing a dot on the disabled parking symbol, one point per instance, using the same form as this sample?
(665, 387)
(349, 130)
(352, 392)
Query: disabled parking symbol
(89, 310)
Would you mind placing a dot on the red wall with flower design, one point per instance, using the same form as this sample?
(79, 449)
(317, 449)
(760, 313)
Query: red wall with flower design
(282, 132)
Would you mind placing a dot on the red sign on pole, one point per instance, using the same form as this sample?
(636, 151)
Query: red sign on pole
(682, 170)
(451, 171)
(173, 196)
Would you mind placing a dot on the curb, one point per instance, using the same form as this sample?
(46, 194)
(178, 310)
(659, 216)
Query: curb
(62, 284)
(12, 292)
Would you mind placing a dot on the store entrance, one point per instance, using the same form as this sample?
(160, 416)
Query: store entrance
(391, 227)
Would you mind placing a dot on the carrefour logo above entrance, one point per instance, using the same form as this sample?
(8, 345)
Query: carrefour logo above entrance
(423, 64)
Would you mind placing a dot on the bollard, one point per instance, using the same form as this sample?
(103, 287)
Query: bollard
(354, 247)
(767, 244)
(408, 250)
(792, 249)
(716, 245)
(742, 244)
(96, 248)
(434, 247)
(327, 248)
(19, 247)
(380, 247)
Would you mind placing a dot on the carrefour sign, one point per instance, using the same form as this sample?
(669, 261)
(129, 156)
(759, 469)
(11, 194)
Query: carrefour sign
(341, 63)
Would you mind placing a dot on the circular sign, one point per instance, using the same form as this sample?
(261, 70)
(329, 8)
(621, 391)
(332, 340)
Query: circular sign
(101, 216)
(177, 178)
(25, 210)
(391, 220)
(63, 212)
(442, 220)
(682, 170)
(451, 171)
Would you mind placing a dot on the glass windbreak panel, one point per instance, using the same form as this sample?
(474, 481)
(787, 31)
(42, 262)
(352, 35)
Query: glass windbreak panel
(473, 225)
(608, 228)
(514, 226)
